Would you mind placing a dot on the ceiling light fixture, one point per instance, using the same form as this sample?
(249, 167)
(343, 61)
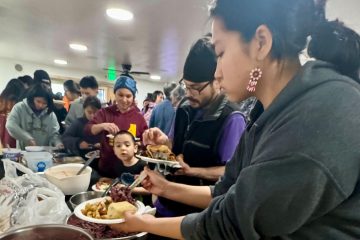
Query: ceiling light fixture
(78, 47)
(155, 77)
(120, 14)
(60, 61)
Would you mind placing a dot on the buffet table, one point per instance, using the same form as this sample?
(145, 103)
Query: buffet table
(60, 161)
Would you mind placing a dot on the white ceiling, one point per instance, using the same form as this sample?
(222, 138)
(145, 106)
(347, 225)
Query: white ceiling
(157, 40)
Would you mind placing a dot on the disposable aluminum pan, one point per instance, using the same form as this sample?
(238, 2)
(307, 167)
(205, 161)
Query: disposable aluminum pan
(47, 231)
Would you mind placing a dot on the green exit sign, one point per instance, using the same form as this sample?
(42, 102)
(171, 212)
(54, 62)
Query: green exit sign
(111, 74)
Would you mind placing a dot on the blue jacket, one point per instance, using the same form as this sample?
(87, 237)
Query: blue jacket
(162, 116)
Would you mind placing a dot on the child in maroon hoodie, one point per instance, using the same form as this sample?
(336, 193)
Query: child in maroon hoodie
(121, 116)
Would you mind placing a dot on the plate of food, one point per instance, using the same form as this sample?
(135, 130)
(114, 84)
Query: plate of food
(160, 154)
(106, 211)
(101, 231)
(100, 186)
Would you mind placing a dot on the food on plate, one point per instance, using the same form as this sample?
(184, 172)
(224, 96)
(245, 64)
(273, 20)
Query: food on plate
(97, 210)
(162, 152)
(112, 207)
(102, 186)
(117, 209)
(121, 193)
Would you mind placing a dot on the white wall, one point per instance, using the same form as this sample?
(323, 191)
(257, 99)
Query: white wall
(7, 72)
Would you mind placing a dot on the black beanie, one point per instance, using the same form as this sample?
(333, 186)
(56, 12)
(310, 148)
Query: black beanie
(200, 64)
(40, 75)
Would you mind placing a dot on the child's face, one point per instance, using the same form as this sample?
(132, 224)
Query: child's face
(124, 147)
(90, 112)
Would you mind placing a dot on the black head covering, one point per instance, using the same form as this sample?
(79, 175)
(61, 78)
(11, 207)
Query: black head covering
(200, 64)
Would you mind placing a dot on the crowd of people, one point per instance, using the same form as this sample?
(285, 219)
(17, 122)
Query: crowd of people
(78, 122)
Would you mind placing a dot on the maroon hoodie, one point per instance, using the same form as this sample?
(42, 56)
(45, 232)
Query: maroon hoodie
(122, 120)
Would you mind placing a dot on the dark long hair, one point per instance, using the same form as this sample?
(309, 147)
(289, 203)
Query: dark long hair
(344, 44)
(39, 90)
(12, 94)
(291, 22)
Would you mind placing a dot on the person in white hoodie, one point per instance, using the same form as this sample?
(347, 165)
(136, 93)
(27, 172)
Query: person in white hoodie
(32, 122)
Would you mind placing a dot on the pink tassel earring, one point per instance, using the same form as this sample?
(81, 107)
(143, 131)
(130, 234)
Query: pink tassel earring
(255, 75)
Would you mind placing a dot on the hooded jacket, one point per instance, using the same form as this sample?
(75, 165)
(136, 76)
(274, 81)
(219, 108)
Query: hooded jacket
(295, 174)
(23, 125)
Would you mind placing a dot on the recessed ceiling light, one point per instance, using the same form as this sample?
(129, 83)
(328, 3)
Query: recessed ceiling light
(78, 47)
(120, 14)
(155, 77)
(60, 61)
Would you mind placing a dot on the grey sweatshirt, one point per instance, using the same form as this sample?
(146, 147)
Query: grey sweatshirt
(76, 111)
(23, 125)
(295, 173)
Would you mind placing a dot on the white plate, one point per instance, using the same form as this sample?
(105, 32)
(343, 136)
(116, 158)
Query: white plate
(140, 206)
(35, 148)
(173, 164)
(94, 188)
(90, 154)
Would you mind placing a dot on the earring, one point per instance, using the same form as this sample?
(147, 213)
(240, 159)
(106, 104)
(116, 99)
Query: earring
(255, 76)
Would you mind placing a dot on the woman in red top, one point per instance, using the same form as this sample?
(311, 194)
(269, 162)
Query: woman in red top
(121, 116)
(13, 93)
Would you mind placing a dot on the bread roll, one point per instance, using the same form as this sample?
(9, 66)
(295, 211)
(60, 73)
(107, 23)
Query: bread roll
(117, 209)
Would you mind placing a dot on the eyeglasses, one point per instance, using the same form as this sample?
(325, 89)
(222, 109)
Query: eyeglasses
(193, 90)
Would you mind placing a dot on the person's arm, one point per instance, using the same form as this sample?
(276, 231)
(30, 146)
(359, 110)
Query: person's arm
(109, 127)
(154, 136)
(99, 124)
(209, 173)
(141, 191)
(96, 128)
(197, 196)
(286, 199)
(14, 128)
(167, 227)
(71, 138)
(272, 198)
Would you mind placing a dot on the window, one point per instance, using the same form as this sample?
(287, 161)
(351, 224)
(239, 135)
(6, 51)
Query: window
(57, 87)
(101, 95)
